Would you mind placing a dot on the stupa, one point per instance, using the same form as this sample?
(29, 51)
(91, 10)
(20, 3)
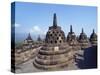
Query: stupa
(39, 41)
(28, 43)
(93, 38)
(72, 40)
(39, 38)
(55, 53)
(83, 40)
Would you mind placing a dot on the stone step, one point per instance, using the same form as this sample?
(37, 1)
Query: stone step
(51, 67)
(44, 52)
(52, 56)
(53, 61)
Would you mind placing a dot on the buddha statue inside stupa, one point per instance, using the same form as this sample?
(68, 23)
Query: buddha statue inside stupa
(28, 43)
(83, 40)
(93, 38)
(55, 53)
(72, 40)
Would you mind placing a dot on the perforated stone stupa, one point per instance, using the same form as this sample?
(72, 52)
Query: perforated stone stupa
(83, 40)
(72, 40)
(55, 53)
(93, 38)
(28, 43)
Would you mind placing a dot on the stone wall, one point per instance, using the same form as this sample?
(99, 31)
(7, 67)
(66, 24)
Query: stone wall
(23, 56)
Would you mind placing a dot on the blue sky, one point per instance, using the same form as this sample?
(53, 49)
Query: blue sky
(37, 17)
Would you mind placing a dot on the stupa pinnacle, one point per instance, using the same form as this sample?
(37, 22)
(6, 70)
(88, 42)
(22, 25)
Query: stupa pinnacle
(54, 20)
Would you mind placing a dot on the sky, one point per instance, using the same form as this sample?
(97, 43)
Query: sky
(36, 18)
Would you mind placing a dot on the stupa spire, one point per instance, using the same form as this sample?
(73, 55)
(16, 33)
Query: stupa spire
(29, 37)
(82, 30)
(54, 20)
(71, 30)
(93, 31)
(39, 38)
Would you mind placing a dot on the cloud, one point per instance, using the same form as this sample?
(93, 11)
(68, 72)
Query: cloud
(37, 30)
(16, 25)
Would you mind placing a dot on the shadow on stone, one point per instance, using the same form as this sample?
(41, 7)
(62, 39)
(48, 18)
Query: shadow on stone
(89, 58)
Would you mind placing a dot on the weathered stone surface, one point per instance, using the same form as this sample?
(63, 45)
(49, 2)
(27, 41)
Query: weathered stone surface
(28, 50)
(93, 38)
(24, 56)
(72, 40)
(83, 40)
(55, 53)
(28, 43)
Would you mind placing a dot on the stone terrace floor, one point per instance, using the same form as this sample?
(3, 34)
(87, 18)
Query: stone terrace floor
(83, 60)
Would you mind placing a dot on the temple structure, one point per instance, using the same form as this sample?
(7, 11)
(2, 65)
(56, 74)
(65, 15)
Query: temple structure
(39, 38)
(28, 43)
(93, 38)
(55, 53)
(83, 40)
(26, 52)
(39, 41)
(72, 40)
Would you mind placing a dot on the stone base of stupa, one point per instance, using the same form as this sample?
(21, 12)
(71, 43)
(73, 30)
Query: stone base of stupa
(94, 43)
(52, 57)
(75, 45)
(84, 45)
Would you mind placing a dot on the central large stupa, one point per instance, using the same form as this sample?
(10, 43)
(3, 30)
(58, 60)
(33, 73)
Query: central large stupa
(55, 53)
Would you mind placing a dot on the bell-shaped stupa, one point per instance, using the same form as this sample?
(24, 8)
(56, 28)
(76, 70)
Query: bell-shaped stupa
(72, 40)
(93, 38)
(28, 43)
(83, 40)
(55, 53)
